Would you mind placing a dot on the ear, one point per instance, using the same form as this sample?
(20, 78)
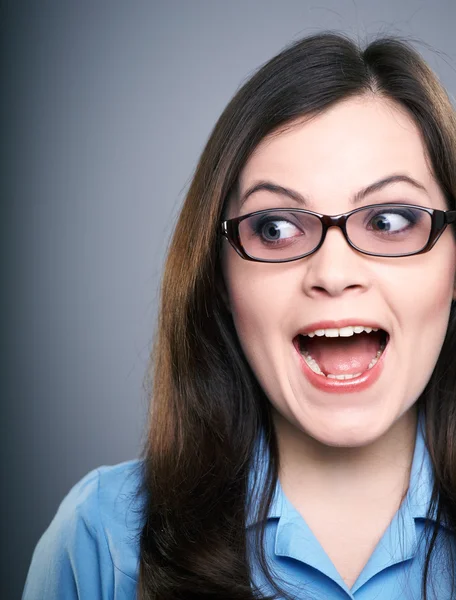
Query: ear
(221, 289)
(220, 285)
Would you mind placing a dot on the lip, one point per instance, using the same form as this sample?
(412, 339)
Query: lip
(340, 324)
(342, 386)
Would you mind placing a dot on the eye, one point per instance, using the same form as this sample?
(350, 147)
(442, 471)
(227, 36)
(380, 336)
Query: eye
(275, 229)
(392, 221)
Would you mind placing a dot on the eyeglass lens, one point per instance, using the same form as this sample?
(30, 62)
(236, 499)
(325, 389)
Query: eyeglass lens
(389, 230)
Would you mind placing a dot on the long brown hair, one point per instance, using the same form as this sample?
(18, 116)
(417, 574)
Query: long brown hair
(207, 409)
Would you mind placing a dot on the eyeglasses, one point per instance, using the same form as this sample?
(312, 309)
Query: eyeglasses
(285, 234)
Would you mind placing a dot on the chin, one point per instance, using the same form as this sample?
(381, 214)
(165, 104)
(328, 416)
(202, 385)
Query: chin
(350, 430)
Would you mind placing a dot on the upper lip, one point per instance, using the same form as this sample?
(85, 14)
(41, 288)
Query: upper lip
(341, 323)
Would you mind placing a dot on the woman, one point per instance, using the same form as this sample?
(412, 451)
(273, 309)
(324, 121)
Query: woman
(303, 424)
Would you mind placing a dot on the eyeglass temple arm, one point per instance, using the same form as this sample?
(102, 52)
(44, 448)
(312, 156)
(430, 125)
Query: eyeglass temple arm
(450, 216)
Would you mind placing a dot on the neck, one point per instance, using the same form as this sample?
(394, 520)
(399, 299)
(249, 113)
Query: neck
(312, 472)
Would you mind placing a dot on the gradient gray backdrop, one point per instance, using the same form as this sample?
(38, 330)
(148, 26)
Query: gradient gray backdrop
(105, 108)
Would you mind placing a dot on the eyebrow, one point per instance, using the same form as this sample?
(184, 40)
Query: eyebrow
(358, 197)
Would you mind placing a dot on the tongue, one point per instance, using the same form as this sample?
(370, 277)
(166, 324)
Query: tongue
(344, 355)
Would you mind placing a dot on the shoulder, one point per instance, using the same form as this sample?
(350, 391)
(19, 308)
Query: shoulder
(91, 547)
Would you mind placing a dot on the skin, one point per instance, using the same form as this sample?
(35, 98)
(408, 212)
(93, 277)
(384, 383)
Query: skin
(357, 446)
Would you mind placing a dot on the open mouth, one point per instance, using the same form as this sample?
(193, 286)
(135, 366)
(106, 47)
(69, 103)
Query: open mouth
(342, 354)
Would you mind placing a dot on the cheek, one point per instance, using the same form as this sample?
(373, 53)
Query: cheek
(256, 305)
(424, 293)
(429, 285)
(260, 298)
(421, 299)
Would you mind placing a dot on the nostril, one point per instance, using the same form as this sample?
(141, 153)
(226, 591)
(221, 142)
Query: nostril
(328, 290)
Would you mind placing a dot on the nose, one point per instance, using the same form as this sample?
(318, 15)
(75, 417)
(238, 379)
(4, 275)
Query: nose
(335, 268)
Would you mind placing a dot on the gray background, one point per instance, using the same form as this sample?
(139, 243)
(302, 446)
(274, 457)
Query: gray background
(104, 110)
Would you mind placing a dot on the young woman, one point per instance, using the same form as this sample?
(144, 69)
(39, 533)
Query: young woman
(302, 438)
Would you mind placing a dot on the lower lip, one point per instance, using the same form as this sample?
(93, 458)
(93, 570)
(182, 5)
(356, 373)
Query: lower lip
(343, 386)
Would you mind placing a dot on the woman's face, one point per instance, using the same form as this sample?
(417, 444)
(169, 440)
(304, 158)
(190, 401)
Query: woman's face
(327, 160)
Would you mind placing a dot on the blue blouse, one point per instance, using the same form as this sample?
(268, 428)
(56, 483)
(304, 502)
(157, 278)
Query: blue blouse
(91, 548)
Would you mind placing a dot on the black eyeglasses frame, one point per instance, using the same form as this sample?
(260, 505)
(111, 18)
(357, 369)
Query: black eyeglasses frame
(440, 220)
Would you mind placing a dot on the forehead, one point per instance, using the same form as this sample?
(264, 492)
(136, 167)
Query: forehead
(348, 147)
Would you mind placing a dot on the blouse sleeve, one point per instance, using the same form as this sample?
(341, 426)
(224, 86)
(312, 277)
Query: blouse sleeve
(72, 559)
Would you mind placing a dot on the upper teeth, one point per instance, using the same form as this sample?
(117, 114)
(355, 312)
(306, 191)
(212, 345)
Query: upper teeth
(342, 332)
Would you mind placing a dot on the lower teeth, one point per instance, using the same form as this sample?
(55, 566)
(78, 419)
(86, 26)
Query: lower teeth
(316, 369)
(347, 376)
